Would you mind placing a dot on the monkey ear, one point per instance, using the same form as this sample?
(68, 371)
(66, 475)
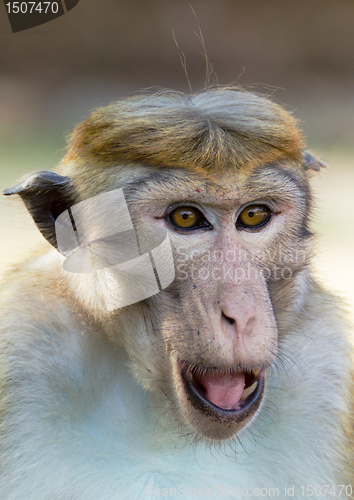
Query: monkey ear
(312, 162)
(46, 195)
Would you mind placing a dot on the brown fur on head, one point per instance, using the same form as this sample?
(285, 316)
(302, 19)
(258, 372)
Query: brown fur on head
(218, 129)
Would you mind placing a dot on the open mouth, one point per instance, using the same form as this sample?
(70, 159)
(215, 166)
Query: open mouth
(226, 393)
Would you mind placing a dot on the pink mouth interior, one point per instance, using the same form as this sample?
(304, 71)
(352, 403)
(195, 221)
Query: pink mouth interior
(224, 391)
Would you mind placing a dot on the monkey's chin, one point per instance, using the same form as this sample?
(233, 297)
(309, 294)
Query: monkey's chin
(219, 404)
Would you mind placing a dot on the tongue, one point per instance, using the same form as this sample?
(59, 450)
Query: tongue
(224, 391)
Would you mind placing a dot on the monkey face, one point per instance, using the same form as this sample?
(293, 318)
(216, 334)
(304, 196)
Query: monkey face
(235, 248)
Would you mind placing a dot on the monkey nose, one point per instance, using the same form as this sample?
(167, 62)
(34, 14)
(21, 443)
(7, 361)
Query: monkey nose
(237, 316)
(239, 325)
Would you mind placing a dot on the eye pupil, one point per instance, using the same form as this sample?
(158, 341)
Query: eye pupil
(187, 218)
(254, 216)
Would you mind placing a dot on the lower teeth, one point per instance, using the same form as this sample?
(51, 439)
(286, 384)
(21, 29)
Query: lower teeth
(248, 391)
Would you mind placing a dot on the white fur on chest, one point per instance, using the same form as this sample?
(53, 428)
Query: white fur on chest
(97, 435)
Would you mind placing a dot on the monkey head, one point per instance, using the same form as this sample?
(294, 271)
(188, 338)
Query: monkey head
(218, 183)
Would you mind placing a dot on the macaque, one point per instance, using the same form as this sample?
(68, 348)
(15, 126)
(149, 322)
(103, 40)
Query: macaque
(169, 339)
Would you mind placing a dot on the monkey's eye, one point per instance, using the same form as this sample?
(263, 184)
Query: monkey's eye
(187, 218)
(254, 216)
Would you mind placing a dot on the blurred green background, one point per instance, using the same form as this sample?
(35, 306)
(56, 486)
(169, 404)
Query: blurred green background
(299, 52)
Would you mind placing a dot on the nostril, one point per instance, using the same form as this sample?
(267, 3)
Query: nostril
(229, 320)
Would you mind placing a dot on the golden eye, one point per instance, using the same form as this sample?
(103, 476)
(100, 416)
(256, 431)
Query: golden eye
(187, 218)
(254, 216)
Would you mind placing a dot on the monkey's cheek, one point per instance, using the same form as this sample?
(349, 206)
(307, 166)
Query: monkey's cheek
(210, 420)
